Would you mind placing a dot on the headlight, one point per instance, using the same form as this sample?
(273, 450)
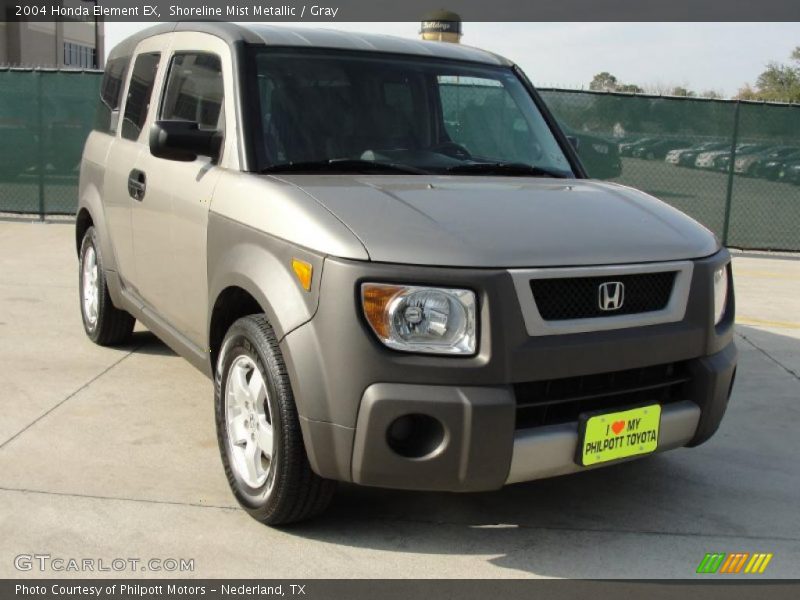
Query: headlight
(600, 148)
(720, 292)
(421, 319)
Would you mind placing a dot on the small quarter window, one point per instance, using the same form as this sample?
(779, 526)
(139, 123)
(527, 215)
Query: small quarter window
(111, 93)
(140, 91)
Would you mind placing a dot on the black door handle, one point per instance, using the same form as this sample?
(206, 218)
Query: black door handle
(137, 184)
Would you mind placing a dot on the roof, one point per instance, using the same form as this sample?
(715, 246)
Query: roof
(271, 35)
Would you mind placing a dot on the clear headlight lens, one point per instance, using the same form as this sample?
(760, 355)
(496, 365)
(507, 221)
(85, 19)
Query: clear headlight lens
(720, 292)
(421, 319)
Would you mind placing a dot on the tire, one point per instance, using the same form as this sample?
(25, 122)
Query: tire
(274, 485)
(104, 323)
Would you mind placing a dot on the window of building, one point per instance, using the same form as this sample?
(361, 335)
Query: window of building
(79, 56)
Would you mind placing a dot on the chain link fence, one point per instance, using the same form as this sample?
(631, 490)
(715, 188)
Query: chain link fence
(733, 166)
(45, 116)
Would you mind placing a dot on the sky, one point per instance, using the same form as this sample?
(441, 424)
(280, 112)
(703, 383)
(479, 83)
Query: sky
(699, 56)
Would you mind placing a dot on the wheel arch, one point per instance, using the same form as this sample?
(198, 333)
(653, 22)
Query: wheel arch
(83, 221)
(90, 214)
(230, 304)
(247, 267)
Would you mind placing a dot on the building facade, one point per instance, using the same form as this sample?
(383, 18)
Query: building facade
(77, 44)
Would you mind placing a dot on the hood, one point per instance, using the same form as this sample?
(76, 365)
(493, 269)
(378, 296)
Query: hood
(505, 222)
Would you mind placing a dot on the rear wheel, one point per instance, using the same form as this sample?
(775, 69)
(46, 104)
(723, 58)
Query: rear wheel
(103, 322)
(258, 429)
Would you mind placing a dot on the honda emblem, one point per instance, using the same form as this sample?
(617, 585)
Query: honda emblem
(611, 295)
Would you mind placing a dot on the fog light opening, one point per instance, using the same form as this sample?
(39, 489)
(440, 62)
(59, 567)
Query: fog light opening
(415, 435)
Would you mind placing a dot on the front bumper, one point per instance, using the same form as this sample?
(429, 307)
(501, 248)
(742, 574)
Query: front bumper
(481, 449)
(349, 388)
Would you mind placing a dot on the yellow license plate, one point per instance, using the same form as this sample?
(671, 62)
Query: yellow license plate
(613, 436)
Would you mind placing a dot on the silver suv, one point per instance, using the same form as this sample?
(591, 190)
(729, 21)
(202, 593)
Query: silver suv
(389, 259)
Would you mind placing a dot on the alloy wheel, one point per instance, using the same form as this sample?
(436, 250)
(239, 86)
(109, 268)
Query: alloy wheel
(91, 288)
(249, 422)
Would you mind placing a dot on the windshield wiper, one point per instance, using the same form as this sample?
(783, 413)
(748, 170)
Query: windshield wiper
(506, 168)
(344, 165)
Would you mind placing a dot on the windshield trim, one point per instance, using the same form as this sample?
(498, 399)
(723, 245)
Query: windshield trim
(552, 123)
(251, 114)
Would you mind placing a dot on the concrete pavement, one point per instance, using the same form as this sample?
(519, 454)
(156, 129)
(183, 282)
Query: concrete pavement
(111, 453)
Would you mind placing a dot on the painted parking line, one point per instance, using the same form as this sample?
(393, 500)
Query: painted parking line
(745, 320)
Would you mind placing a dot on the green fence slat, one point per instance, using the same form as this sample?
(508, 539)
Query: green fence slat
(622, 138)
(756, 201)
(45, 117)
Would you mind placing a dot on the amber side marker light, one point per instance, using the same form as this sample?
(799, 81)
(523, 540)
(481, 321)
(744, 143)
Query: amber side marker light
(303, 272)
(376, 299)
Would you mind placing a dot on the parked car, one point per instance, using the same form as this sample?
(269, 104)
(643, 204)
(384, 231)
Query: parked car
(771, 169)
(599, 156)
(722, 162)
(658, 150)
(628, 148)
(685, 157)
(709, 160)
(751, 164)
(705, 160)
(388, 289)
(790, 172)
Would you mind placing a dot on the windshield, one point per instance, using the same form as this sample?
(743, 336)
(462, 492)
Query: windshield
(351, 112)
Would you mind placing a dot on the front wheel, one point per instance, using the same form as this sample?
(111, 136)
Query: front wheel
(258, 429)
(103, 322)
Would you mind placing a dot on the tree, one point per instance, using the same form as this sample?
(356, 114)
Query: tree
(746, 92)
(604, 82)
(629, 88)
(779, 82)
(679, 90)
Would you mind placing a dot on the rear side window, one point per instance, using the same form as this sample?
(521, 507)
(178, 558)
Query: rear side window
(111, 93)
(140, 91)
(194, 90)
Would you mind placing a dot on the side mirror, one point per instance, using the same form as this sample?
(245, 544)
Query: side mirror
(183, 141)
(574, 141)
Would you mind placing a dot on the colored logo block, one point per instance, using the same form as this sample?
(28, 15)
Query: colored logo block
(734, 563)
